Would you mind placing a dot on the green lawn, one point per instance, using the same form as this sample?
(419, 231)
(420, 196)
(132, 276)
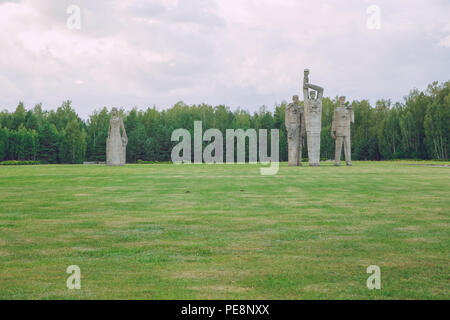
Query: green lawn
(225, 231)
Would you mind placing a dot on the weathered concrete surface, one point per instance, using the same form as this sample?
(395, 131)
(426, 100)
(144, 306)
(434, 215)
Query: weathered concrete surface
(294, 121)
(116, 144)
(340, 131)
(313, 118)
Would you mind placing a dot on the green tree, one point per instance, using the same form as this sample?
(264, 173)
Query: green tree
(136, 141)
(49, 141)
(437, 129)
(3, 143)
(97, 133)
(73, 144)
(389, 135)
(19, 116)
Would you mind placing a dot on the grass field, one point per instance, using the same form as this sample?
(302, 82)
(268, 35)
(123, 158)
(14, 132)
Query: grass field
(225, 231)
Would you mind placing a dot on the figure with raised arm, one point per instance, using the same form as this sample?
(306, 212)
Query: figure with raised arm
(340, 131)
(313, 118)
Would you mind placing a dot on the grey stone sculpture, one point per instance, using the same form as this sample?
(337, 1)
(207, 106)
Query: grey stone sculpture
(342, 118)
(294, 121)
(116, 144)
(313, 118)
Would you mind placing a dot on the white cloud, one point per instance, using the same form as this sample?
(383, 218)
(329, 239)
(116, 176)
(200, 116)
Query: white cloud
(445, 42)
(240, 52)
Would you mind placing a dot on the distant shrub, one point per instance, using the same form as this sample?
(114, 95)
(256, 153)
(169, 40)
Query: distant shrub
(19, 163)
(153, 162)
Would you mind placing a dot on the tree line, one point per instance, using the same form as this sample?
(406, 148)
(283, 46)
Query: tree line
(417, 128)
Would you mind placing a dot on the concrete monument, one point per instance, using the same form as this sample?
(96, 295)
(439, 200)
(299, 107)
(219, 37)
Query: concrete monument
(116, 144)
(294, 121)
(313, 118)
(342, 118)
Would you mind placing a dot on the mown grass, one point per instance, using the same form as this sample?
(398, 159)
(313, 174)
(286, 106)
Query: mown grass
(224, 231)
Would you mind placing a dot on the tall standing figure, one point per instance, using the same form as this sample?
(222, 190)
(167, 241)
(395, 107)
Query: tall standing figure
(313, 118)
(342, 118)
(294, 122)
(116, 144)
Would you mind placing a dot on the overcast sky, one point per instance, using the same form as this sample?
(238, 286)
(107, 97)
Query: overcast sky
(242, 53)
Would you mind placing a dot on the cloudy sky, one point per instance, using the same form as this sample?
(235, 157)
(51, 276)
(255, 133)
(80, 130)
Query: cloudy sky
(242, 53)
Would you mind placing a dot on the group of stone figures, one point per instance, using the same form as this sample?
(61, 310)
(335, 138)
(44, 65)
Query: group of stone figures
(308, 117)
(298, 120)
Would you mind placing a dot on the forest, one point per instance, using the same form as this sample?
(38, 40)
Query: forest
(417, 128)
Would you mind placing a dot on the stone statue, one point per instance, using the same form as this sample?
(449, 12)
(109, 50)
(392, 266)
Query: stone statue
(342, 118)
(294, 121)
(116, 144)
(313, 118)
